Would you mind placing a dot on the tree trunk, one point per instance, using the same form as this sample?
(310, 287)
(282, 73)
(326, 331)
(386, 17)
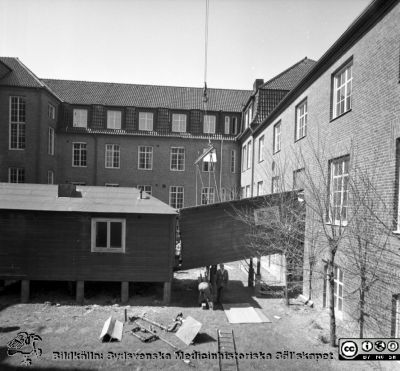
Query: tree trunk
(287, 284)
(332, 299)
(310, 276)
(362, 303)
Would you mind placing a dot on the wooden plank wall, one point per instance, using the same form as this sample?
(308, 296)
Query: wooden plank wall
(57, 246)
(213, 234)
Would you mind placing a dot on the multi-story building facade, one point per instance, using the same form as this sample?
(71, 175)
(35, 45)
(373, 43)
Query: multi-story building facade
(342, 120)
(108, 134)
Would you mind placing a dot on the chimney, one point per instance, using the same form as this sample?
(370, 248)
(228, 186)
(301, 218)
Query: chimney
(257, 84)
(68, 190)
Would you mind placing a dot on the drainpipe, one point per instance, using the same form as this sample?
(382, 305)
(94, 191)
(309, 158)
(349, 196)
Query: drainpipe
(252, 165)
(220, 173)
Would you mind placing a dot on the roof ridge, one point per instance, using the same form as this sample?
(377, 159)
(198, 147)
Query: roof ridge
(151, 85)
(285, 71)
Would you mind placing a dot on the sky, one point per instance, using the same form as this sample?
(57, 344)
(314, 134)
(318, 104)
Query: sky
(162, 42)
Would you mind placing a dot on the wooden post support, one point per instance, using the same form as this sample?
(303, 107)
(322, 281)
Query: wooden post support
(25, 291)
(80, 292)
(124, 292)
(167, 292)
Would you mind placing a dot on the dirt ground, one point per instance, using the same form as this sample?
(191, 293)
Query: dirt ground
(68, 328)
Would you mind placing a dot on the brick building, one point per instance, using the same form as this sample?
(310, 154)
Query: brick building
(107, 134)
(344, 115)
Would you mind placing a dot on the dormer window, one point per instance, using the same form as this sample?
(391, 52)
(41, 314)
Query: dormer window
(178, 123)
(209, 124)
(113, 119)
(80, 118)
(146, 121)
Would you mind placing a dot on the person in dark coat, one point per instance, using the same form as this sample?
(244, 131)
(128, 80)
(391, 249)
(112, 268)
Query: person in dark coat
(222, 282)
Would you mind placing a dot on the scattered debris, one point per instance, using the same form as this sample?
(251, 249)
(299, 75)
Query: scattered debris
(189, 330)
(145, 339)
(154, 333)
(171, 328)
(112, 330)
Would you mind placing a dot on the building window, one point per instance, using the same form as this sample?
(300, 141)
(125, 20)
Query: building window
(16, 175)
(208, 166)
(249, 155)
(207, 195)
(342, 90)
(275, 184)
(277, 137)
(145, 188)
(177, 156)
(50, 177)
(209, 124)
(176, 195)
(244, 157)
(79, 155)
(78, 183)
(338, 289)
(80, 118)
(178, 123)
(17, 123)
(227, 125)
(338, 200)
(299, 179)
(146, 121)
(112, 156)
(247, 191)
(51, 111)
(108, 235)
(223, 195)
(233, 161)
(248, 116)
(111, 184)
(301, 120)
(114, 119)
(145, 158)
(242, 192)
(260, 190)
(50, 142)
(261, 149)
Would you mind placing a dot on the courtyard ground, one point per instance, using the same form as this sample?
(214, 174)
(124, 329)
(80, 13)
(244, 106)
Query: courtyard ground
(66, 327)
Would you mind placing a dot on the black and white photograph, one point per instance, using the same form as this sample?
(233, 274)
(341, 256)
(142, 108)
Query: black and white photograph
(200, 185)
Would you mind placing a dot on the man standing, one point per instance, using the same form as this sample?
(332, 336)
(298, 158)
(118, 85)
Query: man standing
(222, 282)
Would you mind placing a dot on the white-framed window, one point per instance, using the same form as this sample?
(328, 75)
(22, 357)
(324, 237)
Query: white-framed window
(177, 159)
(16, 175)
(299, 178)
(248, 191)
(261, 149)
(79, 154)
(244, 157)
(114, 119)
(17, 127)
(145, 188)
(176, 196)
(112, 156)
(223, 195)
(146, 121)
(233, 161)
(339, 190)
(277, 137)
(209, 124)
(342, 90)
(50, 142)
(145, 155)
(260, 190)
(50, 177)
(108, 235)
(227, 125)
(338, 289)
(248, 116)
(179, 123)
(275, 184)
(51, 111)
(301, 120)
(207, 195)
(208, 166)
(115, 185)
(80, 117)
(249, 155)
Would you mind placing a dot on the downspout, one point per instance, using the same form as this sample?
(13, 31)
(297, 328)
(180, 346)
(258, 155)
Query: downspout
(38, 162)
(252, 164)
(220, 173)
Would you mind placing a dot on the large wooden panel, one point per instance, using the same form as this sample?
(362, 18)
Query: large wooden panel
(217, 233)
(57, 246)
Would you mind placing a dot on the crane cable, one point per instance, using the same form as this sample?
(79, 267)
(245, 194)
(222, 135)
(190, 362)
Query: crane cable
(205, 92)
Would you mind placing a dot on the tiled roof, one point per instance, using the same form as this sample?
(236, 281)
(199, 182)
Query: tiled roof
(44, 197)
(20, 75)
(289, 78)
(148, 96)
